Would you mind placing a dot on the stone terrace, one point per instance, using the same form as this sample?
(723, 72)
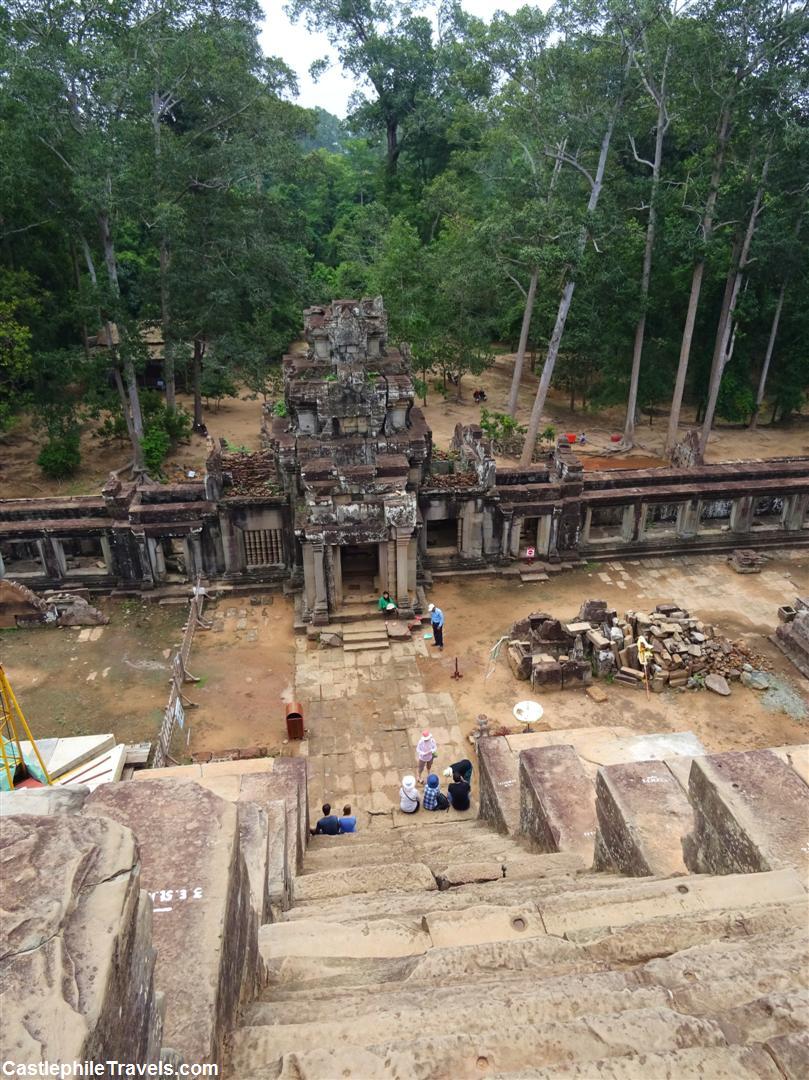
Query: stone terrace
(365, 711)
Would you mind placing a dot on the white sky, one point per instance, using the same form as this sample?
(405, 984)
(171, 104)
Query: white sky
(295, 45)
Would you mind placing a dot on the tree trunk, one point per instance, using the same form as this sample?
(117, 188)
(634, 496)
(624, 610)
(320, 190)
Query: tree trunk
(199, 351)
(135, 425)
(567, 293)
(723, 134)
(762, 382)
(77, 274)
(646, 273)
(392, 134)
(722, 349)
(168, 354)
(525, 329)
(516, 378)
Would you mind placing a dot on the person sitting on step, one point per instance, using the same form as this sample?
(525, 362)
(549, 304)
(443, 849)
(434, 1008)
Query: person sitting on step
(386, 604)
(434, 798)
(328, 825)
(458, 792)
(348, 822)
(409, 796)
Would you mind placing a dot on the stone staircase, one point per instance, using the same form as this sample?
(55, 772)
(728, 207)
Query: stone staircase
(365, 635)
(441, 948)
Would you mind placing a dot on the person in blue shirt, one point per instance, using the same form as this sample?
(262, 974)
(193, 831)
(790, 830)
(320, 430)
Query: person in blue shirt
(328, 825)
(348, 822)
(434, 798)
(437, 623)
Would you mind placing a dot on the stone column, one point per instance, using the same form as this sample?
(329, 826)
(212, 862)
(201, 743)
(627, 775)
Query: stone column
(337, 574)
(688, 519)
(553, 543)
(196, 565)
(232, 547)
(795, 508)
(320, 612)
(516, 532)
(106, 551)
(403, 599)
(644, 513)
(2, 566)
(544, 534)
(741, 514)
(51, 561)
(628, 524)
(147, 572)
(308, 580)
(390, 566)
(588, 521)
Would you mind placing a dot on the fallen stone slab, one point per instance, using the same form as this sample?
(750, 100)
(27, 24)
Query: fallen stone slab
(42, 801)
(750, 814)
(204, 931)
(557, 801)
(643, 815)
(75, 938)
(596, 694)
(717, 684)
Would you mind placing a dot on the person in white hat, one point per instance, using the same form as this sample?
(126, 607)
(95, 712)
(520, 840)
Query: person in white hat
(408, 796)
(425, 752)
(437, 623)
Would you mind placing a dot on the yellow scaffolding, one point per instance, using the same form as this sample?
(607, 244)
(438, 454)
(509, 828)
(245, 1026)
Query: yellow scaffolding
(13, 730)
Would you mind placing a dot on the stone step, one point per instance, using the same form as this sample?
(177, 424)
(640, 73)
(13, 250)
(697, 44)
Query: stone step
(435, 851)
(750, 813)
(505, 1047)
(643, 816)
(557, 801)
(505, 892)
(573, 997)
(641, 900)
(356, 646)
(406, 877)
(402, 831)
(764, 947)
(366, 633)
(382, 938)
(548, 955)
(693, 1063)
(535, 1007)
(566, 996)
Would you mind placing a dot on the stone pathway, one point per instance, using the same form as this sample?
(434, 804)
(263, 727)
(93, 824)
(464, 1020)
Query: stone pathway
(365, 712)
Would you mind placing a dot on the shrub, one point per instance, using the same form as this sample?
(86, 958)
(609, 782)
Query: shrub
(155, 444)
(176, 423)
(60, 456)
(280, 408)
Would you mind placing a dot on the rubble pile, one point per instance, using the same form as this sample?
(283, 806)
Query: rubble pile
(685, 651)
(250, 474)
(746, 561)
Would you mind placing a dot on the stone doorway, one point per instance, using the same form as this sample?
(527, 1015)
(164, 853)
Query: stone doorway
(360, 568)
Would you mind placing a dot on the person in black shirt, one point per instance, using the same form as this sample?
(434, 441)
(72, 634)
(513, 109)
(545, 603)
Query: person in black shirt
(329, 824)
(458, 792)
(462, 768)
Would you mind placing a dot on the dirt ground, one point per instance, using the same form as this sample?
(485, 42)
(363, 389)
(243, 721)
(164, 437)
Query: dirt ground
(238, 420)
(116, 679)
(728, 443)
(479, 610)
(245, 664)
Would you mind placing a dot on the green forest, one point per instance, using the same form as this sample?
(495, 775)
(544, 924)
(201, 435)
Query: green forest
(616, 190)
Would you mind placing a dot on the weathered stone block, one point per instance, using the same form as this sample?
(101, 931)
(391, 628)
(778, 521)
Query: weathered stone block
(499, 784)
(75, 940)
(557, 801)
(206, 936)
(750, 814)
(643, 815)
